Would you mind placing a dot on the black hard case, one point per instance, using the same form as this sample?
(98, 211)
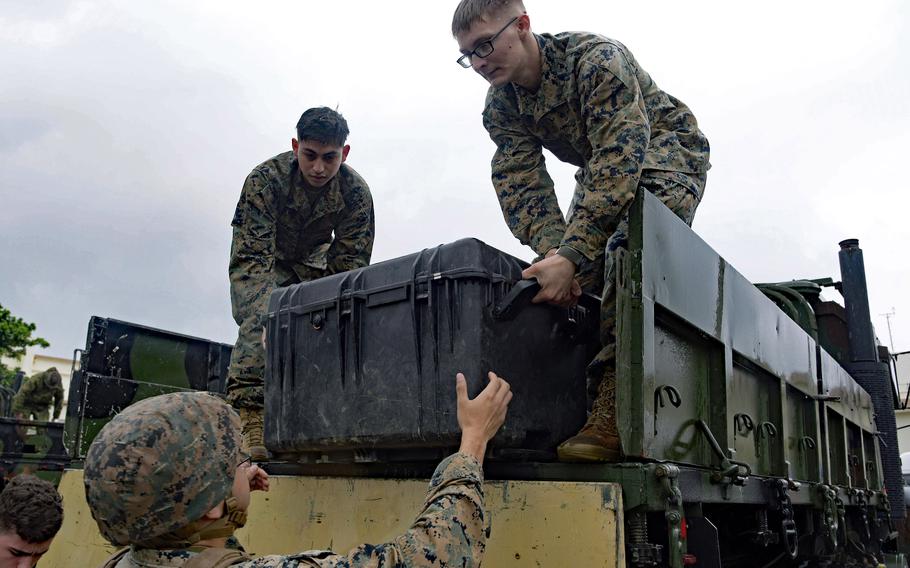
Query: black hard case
(361, 365)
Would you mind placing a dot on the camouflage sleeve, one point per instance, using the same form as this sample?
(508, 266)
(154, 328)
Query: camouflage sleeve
(352, 245)
(21, 398)
(451, 530)
(252, 250)
(58, 402)
(618, 130)
(524, 188)
(18, 404)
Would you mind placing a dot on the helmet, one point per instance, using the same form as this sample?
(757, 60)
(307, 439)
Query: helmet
(160, 465)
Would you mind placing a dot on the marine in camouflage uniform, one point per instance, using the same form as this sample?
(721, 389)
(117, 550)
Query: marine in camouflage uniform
(585, 98)
(302, 215)
(33, 400)
(155, 474)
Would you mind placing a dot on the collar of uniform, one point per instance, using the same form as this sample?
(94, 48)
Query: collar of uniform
(152, 558)
(302, 197)
(553, 75)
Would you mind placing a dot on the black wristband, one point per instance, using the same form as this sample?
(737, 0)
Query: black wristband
(571, 255)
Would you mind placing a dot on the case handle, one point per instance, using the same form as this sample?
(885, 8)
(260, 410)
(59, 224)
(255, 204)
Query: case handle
(518, 297)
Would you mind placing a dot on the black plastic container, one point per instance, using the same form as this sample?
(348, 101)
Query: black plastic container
(361, 365)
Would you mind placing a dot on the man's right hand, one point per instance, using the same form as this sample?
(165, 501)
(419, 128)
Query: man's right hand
(481, 417)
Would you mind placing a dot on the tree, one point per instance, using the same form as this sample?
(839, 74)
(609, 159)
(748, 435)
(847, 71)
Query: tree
(15, 337)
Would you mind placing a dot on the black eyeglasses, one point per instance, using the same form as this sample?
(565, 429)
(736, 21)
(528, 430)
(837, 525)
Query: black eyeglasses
(484, 48)
(246, 461)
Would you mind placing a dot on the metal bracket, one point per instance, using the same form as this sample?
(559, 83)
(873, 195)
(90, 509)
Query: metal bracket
(765, 430)
(789, 536)
(830, 518)
(672, 395)
(742, 423)
(732, 471)
(673, 512)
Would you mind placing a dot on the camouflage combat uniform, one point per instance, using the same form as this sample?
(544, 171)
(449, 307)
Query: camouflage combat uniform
(450, 531)
(37, 394)
(596, 108)
(284, 233)
(160, 465)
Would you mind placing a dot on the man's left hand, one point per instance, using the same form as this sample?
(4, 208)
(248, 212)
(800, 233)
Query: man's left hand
(556, 276)
(258, 478)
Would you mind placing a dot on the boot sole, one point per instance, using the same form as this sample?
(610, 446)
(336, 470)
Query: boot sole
(259, 453)
(588, 453)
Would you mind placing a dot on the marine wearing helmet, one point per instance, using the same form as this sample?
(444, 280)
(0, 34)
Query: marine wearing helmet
(166, 479)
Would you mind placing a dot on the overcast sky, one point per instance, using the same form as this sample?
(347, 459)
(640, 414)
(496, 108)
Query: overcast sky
(127, 129)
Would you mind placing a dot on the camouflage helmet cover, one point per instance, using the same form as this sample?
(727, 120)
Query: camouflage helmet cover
(160, 465)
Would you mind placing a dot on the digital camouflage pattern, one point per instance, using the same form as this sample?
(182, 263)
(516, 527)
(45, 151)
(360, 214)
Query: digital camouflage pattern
(161, 465)
(37, 394)
(450, 531)
(284, 233)
(596, 108)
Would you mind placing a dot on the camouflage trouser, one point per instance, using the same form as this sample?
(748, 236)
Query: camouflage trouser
(246, 373)
(678, 192)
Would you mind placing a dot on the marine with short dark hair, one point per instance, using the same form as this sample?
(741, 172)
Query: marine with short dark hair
(39, 391)
(585, 98)
(302, 215)
(167, 480)
(31, 513)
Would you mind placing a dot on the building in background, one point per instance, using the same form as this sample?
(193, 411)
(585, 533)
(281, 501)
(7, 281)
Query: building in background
(35, 362)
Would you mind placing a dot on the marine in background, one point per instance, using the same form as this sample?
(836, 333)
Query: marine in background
(585, 98)
(37, 394)
(31, 513)
(302, 215)
(166, 479)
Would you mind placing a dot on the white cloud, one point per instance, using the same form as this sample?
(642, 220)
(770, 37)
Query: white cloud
(126, 130)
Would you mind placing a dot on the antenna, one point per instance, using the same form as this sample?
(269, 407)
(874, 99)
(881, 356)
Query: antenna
(888, 317)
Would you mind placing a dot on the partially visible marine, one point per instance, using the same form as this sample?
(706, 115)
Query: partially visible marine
(37, 394)
(124, 362)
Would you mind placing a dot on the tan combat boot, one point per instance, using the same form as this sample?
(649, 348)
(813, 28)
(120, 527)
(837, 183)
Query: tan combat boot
(598, 439)
(251, 430)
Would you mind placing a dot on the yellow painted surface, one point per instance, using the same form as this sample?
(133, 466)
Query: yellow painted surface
(545, 524)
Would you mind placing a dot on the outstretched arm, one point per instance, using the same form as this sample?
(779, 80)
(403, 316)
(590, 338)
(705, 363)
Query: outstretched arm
(451, 529)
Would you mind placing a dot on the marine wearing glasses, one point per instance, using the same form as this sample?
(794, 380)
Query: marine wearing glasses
(484, 48)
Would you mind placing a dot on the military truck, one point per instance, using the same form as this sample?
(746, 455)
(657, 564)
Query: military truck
(757, 421)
